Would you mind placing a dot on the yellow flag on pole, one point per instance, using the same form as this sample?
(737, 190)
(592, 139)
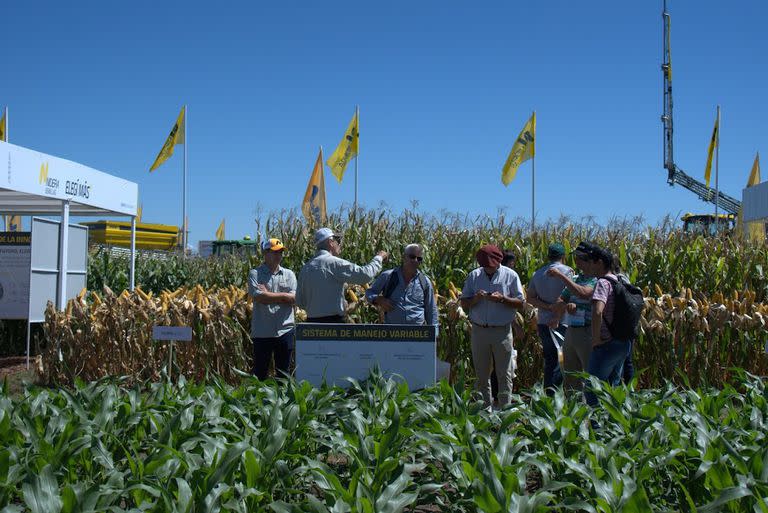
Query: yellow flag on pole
(523, 149)
(313, 206)
(220, 231)
(14, 223)
(754, 175)
(712, 144)
(3, 134)
(346, 150)
(175, 137)
(138, 213)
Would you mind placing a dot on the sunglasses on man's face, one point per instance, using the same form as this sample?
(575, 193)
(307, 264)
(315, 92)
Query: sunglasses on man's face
(414, 257)
(337, 239)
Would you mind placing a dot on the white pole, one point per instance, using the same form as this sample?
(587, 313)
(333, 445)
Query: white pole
(717, 173)
(29, 328)
(184, 200)
(133, 252)
(61, 302)
(357, 157)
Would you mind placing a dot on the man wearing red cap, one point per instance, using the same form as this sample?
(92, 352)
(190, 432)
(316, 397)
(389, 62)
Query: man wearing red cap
(490, 295)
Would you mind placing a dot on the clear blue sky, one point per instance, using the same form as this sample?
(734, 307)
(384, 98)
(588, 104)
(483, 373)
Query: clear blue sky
(443, 88)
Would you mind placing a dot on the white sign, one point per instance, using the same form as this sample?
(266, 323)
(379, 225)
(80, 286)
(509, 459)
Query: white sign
(333, 352)
(14, 274)
(36, 173)
(176, 333)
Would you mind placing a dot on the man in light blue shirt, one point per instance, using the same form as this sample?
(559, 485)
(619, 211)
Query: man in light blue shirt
(491, 295)
(543, 292)
(405, 294)
(322, 279)
(273, 289)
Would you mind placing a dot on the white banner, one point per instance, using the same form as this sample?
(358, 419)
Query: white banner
(14, 274)
(333, 352)
(32, 172)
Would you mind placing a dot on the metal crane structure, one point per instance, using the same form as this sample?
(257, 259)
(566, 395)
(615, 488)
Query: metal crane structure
(675, 175)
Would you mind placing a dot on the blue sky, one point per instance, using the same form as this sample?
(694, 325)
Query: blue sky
(443, 88)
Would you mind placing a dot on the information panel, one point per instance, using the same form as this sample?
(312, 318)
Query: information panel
(333, 352)
(14, 274)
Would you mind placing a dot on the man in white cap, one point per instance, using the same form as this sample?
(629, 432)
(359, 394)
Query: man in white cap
(322, 279)
(273, 289)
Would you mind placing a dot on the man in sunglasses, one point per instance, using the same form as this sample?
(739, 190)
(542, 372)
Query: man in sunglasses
(404, 294)
(322, 279)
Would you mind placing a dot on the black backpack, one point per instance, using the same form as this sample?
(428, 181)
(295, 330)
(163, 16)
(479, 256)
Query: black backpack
(394, 279)
(628, 308)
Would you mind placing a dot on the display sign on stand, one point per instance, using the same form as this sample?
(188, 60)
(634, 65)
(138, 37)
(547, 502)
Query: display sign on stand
(331, 353)
(14, 274)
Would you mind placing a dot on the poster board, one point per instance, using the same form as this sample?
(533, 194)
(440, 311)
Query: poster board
(44, 264)
(333, 352)
(14, 274)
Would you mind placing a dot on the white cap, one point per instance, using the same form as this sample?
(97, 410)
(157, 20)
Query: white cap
(322, 235)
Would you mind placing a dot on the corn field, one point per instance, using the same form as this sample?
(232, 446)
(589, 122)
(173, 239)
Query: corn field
(682, 339)
(376, 447)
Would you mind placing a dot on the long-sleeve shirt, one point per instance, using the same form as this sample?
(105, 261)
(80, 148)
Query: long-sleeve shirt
(412, 304)
(322, 279)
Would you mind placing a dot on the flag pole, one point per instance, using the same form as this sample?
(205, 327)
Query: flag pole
(533, 184)
(357, 157)
(717, 173)
(184, 188)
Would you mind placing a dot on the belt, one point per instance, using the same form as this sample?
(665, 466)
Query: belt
(490, 325)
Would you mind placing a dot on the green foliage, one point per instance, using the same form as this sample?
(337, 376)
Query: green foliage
(376, 447)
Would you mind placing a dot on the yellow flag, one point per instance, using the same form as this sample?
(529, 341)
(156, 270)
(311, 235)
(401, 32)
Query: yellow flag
(220, 231)
(346, 150)
(712, 143)
(175, 137)
(313, 205)
(138, 213)
(14, 223)
(3, 134)
(523, 149)
(754, 176)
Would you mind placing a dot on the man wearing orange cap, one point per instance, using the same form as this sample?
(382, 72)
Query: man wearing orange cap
(490, 296)
(273, 289)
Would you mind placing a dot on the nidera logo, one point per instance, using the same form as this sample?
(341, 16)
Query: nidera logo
(51, 184)
(43, 172)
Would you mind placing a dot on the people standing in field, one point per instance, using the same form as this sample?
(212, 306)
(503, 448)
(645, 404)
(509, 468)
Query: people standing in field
(543, 292)
(321, 280)
(608, 352)
(490, 295)
(273, 289)
(404, 294)
(628, 369)
(575, 304)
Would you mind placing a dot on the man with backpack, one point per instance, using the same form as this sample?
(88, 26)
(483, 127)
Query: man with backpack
(404, 294)
(616, 310)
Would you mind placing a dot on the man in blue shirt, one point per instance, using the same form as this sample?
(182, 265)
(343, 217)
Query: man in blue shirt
(404, 294)
(543, 292)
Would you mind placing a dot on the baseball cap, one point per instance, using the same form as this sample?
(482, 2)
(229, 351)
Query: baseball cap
(322, 235)
(555, 250)
(272, 245)
(489, 256)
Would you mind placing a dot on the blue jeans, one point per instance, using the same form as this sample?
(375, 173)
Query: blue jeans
(629, 366)
(263, 349)
(552, 375)
(606, 363)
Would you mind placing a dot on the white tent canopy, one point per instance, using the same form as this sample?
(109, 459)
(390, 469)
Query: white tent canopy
(33, 183)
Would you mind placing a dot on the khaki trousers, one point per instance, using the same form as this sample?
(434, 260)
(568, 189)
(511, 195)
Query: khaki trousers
(576, 350)
(494, 344)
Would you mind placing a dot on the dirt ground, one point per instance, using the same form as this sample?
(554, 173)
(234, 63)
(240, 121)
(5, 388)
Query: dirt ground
(14, 373)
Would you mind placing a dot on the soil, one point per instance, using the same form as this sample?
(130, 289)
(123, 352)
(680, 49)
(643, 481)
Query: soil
(14, 373)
